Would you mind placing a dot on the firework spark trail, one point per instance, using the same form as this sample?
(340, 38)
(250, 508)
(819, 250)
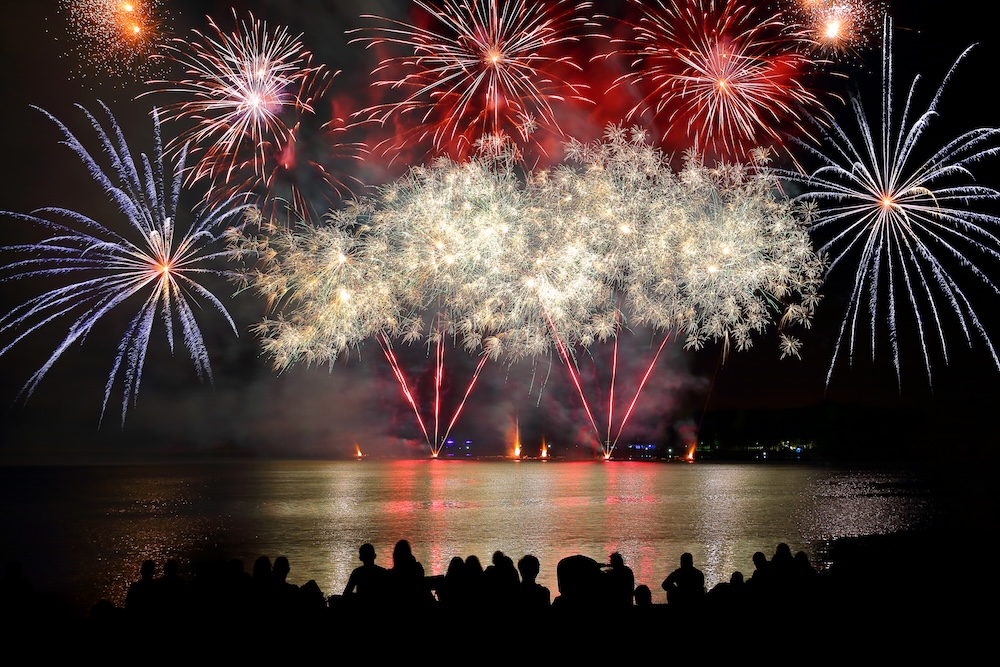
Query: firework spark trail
(905, 219)
(243, 95)
(458, 410)
(575, 377)
(487, 68)
(116, 37)
(731, 76)
(635, 398)
(397, 370)
(611, 390)
(162, 262)
(438, 379)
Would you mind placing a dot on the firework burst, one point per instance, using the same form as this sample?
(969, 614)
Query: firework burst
(711, 254)
(906, 224)
(325, 284)
(158, 265)
(117, 37)
(728, 76)
(242, 102)
(839, 29)
(494, 68)
(515, 265)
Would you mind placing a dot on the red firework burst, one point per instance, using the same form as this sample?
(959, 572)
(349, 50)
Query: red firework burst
(719, 76)
(247, 99)
(476, 69)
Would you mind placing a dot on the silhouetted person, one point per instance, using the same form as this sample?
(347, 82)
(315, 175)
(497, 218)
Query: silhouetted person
(501, 583)
(473, 566)
(367, 584)
(533, 598)
(643, 596)
(685, 586)
(620, 582)
(172, 588)
(782, 558)
(783, 568)
(452, 587)
(760, 587)
(728, 596)
(310, 600)
(581, 589)
(804, 571)
(261, 589)
(141, 598)
(284, 594)
(805, 578)
(409, 588)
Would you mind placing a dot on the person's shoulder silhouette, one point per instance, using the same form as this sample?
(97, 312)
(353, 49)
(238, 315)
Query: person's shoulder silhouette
(620, 581)
(685, 586)
(533, 597)
(367, 583)
(141, 597)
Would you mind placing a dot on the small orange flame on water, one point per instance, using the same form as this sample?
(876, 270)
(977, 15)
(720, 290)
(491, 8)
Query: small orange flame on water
(545, 450)
(517, 441)
(357, 450)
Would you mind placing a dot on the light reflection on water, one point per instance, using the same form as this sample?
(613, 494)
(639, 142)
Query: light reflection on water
(87, 529)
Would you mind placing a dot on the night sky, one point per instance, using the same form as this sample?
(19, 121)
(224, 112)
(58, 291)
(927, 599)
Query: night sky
(325, 412)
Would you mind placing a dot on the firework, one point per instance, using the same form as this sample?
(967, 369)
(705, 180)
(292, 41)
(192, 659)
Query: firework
(325, 283)
(244, 94)
(907, 224)
(507, 261)
(117, 37)
(303, 177)
(157, 265)
(728, 76)
(513, 265)
(839, 28)
(709, 253)
(481, 69)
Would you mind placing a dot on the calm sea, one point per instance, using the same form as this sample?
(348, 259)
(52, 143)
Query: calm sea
(82, 531)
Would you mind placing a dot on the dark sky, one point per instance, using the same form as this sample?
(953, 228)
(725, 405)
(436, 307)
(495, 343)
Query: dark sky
(324, 412)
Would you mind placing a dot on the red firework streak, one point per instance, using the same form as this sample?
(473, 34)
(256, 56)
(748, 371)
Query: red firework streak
(436, 440)
(606, 442)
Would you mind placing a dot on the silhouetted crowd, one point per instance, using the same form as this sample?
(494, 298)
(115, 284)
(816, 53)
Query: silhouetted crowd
(503, 593)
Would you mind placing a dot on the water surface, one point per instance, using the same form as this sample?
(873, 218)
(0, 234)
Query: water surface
(84, 530)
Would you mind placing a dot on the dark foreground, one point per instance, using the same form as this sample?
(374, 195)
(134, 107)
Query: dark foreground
(887, 597)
